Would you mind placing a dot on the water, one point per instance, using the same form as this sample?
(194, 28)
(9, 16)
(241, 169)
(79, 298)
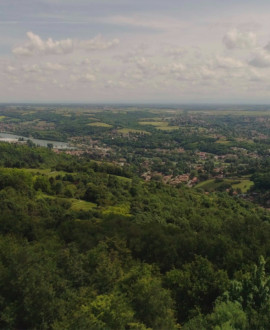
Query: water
(7, 137)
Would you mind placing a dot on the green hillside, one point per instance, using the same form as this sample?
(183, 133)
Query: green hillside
(87, 245)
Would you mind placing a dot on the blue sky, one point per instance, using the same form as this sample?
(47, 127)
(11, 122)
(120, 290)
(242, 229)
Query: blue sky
(176, 51)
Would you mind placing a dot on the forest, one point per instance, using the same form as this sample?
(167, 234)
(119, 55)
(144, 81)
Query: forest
(89, 244)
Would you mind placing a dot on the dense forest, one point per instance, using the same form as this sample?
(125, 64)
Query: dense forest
(89, 245)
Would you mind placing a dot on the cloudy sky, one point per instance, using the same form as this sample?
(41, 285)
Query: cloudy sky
(174, 51)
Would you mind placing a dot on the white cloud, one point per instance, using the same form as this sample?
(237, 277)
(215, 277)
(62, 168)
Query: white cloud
(98, 43)
(87, 77)
(228, 63)
(54, 66)
(267, 47)
(206, 73)
(115, 84)
(30, 78)
(31, 68)
(10, 69)
(236, 39)
(175, 52)
(143, 64)
(36, 46)
(176, 68)
(261, 59)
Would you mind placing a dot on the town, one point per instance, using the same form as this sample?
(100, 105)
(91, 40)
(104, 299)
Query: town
(204, 148)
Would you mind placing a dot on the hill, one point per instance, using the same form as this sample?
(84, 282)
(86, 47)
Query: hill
(90, 245)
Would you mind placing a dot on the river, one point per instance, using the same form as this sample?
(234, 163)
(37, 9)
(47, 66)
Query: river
(7, 137)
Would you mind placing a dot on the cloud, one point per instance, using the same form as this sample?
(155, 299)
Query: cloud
(36, 46)
(206, 73)
(34, 68)
(235, 39)
(176, 68)
(10, 69)
(149, 22)
(143, 64)
(228, 63)
(98, 43)
(175, 52)
(54, 66)
(261, 60)
(87, 77)
(115, 84)
(267, 47)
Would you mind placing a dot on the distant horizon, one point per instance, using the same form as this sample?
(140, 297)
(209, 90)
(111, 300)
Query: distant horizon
(139, 104)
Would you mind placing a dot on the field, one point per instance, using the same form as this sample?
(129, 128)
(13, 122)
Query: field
(244, 185)
(161, 125)
(167, 128)
(222, 141)
(46, 171)
(154, 123)
(100, 124)
(122, 209)
(211, 185)
(131, 130)
(79, 205)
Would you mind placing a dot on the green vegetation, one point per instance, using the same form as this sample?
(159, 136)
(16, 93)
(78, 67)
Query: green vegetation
(46, 171)
(79, 205)
(223, 141)
(93, 238)
(154, 123)
(167, 128)
(244, 185)
(123, 209)
(132, 130)
(99, 124)
(84, 247)
(161, 125)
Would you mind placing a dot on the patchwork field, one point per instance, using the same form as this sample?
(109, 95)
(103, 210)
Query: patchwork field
(167, 128)
(244, 185)
(212, 185)
(122, 209)
(100, 124)
(46, 171)
(223, 141)
(161, 125)
(154, 123)
(79, 205)
(131, 130)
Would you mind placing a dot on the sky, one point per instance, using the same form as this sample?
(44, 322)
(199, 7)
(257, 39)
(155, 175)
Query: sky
(135, 51)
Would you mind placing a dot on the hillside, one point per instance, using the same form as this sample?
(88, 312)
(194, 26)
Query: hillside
(88, 245)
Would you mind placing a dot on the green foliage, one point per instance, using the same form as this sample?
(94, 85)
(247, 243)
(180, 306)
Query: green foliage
(228, 315)
(253, 293)
(262, 181)
(152, 303)
(196, 286)
(108, 311)
(87, 248)
(17, 179)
